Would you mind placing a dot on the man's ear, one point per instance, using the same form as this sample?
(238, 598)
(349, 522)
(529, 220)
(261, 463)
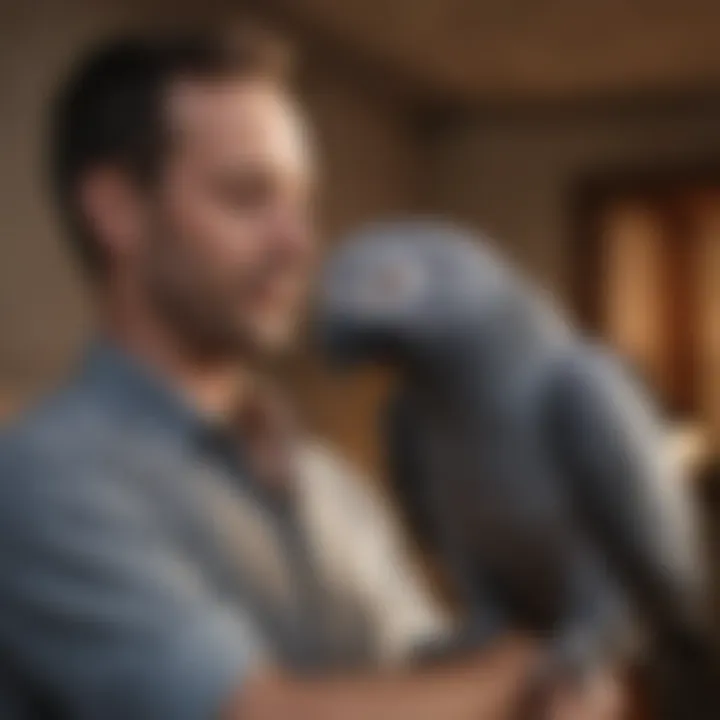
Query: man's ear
(112, 207)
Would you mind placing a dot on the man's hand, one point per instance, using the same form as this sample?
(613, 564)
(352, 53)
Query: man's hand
(601, 698)
(488, 687)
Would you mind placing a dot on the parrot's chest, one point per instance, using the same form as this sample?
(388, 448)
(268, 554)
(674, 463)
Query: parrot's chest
(496, 494)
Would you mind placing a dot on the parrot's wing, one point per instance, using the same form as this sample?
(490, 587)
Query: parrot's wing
(415, 480)
(613, 459)
(408, 472)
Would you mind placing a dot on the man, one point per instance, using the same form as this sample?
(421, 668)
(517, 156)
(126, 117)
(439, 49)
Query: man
(165, 551)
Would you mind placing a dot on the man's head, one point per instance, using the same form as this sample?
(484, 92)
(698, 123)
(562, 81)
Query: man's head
(182, 167)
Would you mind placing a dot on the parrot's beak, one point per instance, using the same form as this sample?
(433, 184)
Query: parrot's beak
(345, 342)
(350, 327)
(338, 342)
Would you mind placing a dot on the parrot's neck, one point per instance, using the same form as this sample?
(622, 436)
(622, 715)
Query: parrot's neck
(481, 361)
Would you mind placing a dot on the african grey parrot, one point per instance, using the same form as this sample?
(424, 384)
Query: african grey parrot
(524, 453)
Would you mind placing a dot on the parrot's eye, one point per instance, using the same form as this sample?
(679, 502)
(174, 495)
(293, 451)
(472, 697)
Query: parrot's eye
(396, 281)
(392, 287)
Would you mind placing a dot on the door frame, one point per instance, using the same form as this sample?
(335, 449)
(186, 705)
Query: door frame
(592, 192)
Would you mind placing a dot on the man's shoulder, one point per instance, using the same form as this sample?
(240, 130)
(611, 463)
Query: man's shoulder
(52, 446)
(66, 419)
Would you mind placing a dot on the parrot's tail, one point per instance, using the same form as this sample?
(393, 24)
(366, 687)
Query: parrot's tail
(684, 679)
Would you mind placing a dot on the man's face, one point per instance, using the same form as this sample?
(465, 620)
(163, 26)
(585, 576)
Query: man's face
(229, 243)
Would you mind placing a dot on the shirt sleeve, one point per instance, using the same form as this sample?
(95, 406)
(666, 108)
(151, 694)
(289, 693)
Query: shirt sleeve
(361, 547)
(100, 611)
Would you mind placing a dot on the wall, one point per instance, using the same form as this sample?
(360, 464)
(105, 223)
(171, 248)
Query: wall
(42, 308)
(371, 169)
(513, 172)
(368, 170)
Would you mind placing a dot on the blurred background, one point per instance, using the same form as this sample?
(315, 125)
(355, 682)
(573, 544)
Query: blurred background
(583, 136)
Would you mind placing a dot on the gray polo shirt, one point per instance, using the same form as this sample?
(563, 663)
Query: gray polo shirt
(143, 574)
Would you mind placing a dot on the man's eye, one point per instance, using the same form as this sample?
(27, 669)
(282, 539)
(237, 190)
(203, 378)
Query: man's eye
(248, 193)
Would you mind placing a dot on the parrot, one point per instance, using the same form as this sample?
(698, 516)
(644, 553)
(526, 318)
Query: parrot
(526, 456)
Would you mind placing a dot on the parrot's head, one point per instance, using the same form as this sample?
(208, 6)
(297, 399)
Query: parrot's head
(396, 291)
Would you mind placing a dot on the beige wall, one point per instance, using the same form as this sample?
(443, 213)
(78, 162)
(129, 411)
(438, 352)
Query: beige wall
(513, 173)
(368, 170)
(42, 313)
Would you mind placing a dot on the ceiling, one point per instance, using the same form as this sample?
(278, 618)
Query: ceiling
(527, 49)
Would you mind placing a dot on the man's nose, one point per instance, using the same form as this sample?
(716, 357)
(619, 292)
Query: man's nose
(292, 236)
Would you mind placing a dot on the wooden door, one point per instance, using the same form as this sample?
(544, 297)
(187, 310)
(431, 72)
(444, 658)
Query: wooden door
(654, 276)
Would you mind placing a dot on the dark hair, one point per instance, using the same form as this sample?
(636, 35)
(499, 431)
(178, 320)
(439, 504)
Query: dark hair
(110, 110)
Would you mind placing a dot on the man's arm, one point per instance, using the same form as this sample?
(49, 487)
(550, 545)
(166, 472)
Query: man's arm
(99, 609)
(489, 687)
(107, 620)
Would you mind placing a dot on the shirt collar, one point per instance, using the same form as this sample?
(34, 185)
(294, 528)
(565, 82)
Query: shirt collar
(134, 387)
(144, 396)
